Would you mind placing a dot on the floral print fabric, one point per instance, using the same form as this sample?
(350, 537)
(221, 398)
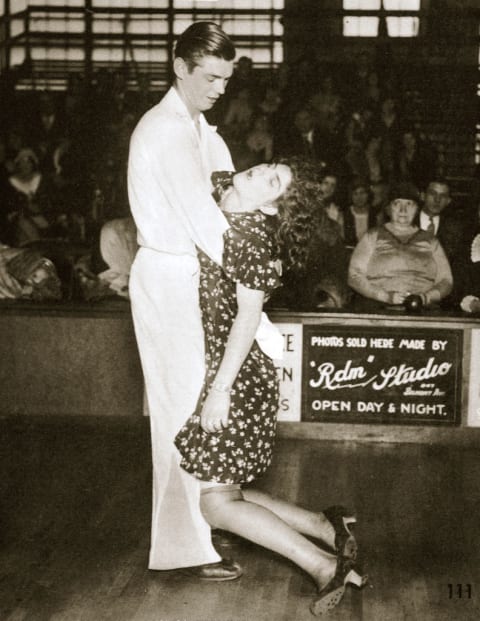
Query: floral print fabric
(242, 451)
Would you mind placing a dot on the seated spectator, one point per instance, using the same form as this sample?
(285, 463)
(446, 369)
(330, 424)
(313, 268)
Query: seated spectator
(373, 157)
(260, 141)
(380, 191)
(359, 126)
(325, 103)
(68, 195)
(32, 277)
(239, 115)
(416, 160)
(26, 203)
(373, 90)
(328, 187)
(358, 80)
(398, 259)
(359, 216)
(436, 217)
(15, 141)
(48, 129)
(270, 103)
(386, 125)
(74, 102)
(302, 139)
(243, 77)
(355, 160)
(105, 271)
(469, 277)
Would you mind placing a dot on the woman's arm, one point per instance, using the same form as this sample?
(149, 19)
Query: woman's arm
(217, 404)
(358, 269)
(444, 280)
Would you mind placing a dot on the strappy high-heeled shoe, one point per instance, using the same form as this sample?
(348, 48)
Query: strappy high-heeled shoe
(342, 520)
(332, 593)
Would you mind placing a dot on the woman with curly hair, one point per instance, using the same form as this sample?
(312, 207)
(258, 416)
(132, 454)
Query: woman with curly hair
(228, 441)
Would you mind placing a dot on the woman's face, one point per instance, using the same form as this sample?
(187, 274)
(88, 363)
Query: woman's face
(402, 211)
(262, 184)
(25, 165)
(388, 106)
(360, 196)
(409, 140)
(38, 276)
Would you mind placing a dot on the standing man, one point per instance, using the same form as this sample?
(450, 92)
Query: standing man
(173, 152)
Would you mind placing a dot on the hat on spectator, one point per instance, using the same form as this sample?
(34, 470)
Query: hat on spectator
(404, 189)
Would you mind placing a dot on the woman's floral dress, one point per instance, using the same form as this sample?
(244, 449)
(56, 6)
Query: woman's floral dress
(242, 451)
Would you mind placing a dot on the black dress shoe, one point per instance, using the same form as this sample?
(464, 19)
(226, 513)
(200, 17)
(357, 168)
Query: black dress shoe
(224, 570)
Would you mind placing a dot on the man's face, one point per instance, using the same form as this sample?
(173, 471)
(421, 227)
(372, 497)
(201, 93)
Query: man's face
(437, 197)
(205, 83)
(328, 185)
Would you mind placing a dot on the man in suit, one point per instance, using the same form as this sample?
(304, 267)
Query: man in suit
(435, 217)
(304, 139)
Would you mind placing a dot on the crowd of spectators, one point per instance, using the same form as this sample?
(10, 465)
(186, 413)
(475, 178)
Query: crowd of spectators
(63, 161)
(363, 132)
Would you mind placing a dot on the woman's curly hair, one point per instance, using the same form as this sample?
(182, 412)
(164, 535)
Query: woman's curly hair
(302, 221)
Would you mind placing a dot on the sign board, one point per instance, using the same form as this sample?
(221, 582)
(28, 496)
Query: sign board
(474, 382)
(289, 372)
(381, 374)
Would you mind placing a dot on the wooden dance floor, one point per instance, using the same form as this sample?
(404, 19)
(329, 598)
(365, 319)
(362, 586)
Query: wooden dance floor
(75, 517)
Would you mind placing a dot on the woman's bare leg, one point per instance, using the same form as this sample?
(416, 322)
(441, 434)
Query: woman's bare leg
(301, 520)
(228, 510)
(333, 526)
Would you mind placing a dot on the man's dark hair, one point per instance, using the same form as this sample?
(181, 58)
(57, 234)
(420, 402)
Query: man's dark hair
(438, 179)
(203, 39)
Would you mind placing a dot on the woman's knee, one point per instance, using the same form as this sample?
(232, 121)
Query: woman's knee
(216, 503)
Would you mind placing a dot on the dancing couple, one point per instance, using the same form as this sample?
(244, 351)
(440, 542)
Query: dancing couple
(197, 287)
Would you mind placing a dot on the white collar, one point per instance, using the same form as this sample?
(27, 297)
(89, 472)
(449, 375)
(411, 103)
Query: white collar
(425, 220)
(178, 106)
(26, 187)
(309, 136)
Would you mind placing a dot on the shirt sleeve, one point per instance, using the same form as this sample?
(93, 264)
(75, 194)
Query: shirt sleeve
(247, 260)
(177, 178)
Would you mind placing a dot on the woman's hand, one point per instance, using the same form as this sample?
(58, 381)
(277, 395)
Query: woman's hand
(214, 415)
(398, 297)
